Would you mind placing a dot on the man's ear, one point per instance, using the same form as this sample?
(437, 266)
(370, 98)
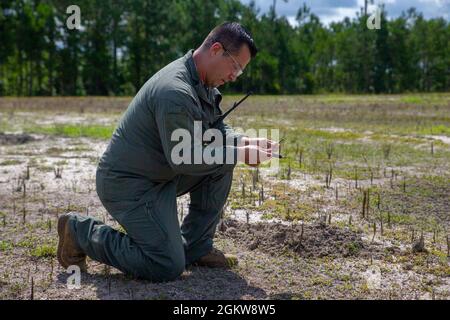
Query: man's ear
(215, 48)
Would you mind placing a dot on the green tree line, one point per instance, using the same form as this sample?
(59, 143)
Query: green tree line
(123, 43)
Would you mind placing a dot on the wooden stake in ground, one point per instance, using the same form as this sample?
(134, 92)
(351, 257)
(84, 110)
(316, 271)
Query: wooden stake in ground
(289, 171)
(448, 246)
(24, 212)
(374, 231)
(301, 233)
(52, 263)
(328, 176)
(364, 204)
(300, 157)
(32, 289)
(24, 189)
(368, 202)
(381, 224)
(379, 200)
(389, 219)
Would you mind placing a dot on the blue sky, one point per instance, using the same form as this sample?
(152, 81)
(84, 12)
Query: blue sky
(336, 10)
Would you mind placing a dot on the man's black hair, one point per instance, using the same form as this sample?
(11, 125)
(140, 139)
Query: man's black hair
(232, 36)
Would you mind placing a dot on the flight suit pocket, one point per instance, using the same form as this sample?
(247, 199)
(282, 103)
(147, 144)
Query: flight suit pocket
(156, 235)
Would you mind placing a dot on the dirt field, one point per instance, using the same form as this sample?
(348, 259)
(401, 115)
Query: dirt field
(360, 208)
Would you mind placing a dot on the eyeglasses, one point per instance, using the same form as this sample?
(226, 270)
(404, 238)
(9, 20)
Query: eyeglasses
(236, 65)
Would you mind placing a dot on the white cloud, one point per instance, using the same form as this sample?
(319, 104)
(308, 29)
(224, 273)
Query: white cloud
(337, 10)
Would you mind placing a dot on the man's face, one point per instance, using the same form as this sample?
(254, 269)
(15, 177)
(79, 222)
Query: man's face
(225, 67)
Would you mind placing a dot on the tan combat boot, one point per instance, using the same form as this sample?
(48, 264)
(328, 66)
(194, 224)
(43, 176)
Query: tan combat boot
(69, 253)
(217, 259)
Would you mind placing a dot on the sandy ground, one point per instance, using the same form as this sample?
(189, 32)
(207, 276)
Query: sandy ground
(319, 258)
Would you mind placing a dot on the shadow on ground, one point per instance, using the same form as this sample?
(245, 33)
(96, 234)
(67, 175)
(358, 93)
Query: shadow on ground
(195, 283)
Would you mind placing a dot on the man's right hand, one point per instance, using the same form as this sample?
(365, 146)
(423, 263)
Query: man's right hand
(253, 156)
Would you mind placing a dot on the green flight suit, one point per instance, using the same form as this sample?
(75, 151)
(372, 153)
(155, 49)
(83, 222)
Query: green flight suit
(138, 182)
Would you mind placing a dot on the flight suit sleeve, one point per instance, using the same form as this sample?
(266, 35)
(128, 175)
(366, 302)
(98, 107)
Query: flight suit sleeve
(230, 134)
(181, 132)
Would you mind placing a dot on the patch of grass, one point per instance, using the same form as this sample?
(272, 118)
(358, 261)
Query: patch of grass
(401, 219)
(347, 286)
(236, 205)
(54, 151)
(321, 281)
(74, 131)
(353, 248)
(28, 242)
(412, 99)
(44, 251)
(61, 163)
(14, 290)
(80, 148)
(440, 270)
(344, 277)
(44, 168)
(6, 246)
(267, 216)
(312, 153)
(342, 135)
(385, 138)
(285, 210)
(442, 255)
(11, 162)
(436, 130)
